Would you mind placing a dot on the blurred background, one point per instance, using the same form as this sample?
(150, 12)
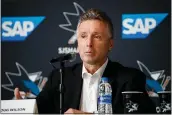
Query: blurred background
(35, 31)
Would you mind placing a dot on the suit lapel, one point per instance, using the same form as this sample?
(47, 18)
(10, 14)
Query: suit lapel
(77, 87)
(111, 71)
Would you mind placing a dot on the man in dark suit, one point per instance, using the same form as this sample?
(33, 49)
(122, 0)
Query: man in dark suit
(95, 40)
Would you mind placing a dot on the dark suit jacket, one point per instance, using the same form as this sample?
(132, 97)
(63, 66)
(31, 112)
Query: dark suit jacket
(121, 79)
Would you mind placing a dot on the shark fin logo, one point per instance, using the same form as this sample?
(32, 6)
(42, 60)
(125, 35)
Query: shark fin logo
(131, 106)
(156, 81)
(72, 21)
(27, 82)
(67, 26)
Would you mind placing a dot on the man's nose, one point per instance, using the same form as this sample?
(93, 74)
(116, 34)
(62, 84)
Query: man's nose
(89, 42)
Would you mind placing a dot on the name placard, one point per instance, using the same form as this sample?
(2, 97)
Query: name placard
(19, 106)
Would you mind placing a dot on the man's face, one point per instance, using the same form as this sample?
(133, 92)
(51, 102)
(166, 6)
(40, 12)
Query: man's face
(94, 41)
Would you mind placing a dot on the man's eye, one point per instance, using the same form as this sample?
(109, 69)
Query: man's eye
(83, 36)
(97, 37)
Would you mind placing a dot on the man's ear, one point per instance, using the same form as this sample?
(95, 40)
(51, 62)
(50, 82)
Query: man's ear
(111, 44)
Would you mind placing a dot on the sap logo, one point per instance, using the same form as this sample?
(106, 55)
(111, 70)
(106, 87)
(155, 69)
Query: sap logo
(139, 26)
(18, 28)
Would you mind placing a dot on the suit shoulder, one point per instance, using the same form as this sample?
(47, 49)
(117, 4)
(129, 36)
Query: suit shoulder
(76, 66)
(73, 68)
(131, 70)
(130, 73)
(123, 69)
(54, 75)
(67, 69)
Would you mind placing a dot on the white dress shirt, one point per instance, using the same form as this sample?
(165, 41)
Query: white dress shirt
(89, 94)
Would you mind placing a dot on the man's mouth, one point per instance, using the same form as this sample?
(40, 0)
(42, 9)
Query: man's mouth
(88, 52)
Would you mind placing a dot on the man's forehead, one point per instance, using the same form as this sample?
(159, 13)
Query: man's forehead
(92, 21)
(91, 25)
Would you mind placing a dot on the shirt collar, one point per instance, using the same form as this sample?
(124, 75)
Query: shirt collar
(99, 71)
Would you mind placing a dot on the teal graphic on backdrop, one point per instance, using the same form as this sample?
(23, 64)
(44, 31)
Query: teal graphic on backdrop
(19, 28)
(156, 80)
(139, 26)
(26, 82)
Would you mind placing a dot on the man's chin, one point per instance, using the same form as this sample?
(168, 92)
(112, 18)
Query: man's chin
(89, 61)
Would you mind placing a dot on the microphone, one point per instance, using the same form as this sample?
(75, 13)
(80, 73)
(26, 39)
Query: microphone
(68, 57)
